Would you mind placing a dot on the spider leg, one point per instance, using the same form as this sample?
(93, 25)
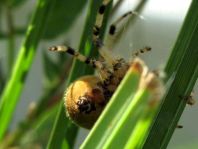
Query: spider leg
(141, 51)
(99, 19)
(116, 27)
(77, 55)
(113, 29)
(113, 26)
(104, 71)
(103, 50)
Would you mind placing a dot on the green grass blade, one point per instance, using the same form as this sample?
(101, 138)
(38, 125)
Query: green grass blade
(13, 89)
(141, 130)
(58, 133)
(78, 69)
(127, 122)
(113, 111)
(182, 42)
(183, 64)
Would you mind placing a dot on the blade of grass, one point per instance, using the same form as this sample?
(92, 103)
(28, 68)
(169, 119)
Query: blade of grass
(42, 125)
(128, 120)
(140, 132)
(113, 111)
(46, 102)
(2, 78)
(181, 44)
(12, 91)
(11, 36)
(39, 126)
(124, 109)
(78, 69)
(183, 63)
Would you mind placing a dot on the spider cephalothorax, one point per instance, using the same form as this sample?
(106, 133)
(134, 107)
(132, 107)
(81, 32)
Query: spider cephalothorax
(86, 97)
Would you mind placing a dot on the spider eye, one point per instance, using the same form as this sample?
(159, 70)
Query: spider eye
(85, 105)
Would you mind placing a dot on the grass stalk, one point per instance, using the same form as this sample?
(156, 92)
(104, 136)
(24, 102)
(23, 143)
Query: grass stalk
(11, 37)
(119, 118)
(112, 112)
(12, 91)
(140, 132)
(128, 120)
(182, 70)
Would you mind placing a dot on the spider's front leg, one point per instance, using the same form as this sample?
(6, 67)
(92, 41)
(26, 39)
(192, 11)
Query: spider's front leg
(103, 69)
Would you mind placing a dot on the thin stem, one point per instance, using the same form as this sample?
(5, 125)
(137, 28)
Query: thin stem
(17, 31)
(181, 70)
(11, 37)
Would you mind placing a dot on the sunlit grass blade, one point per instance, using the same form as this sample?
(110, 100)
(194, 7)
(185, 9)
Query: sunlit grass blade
(183, 65)
(113, 111)
(127, 121)
(120, 116)
(13, 89)
(78, 69)
(141, 130)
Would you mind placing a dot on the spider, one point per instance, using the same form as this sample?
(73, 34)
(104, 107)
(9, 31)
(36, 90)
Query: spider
(86, 98)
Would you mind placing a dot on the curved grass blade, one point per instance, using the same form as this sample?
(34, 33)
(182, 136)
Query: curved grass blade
(13, 89)
(183, 63)
(127, 121)
(120, 116)
(183, 40)
(141, 130)
(111, 115)
(131, 124)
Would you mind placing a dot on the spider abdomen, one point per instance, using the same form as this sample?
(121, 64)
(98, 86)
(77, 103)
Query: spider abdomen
(85, 100)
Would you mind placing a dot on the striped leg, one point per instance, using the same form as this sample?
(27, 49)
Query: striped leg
(99, 19)
(104, 52)
(113, 26)
(102, 68)
(116, 27)
(141, 51)
(77, 55)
